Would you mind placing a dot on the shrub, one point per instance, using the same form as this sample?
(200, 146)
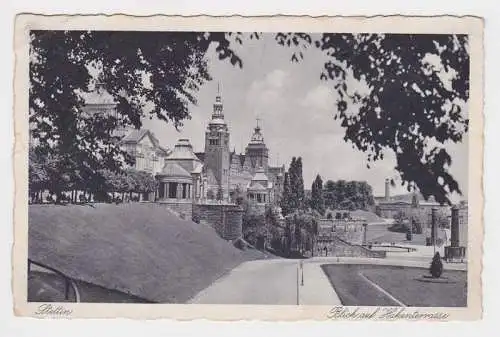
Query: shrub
(436, 268)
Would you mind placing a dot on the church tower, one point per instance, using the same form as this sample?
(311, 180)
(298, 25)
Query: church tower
(217, 151)
(256, 152)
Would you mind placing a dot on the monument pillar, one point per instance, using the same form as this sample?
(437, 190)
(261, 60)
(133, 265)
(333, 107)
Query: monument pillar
(454, 251)
(455, 228)
(433, 226)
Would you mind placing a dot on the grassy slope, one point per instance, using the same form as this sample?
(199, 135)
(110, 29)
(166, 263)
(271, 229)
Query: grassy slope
(141, 249)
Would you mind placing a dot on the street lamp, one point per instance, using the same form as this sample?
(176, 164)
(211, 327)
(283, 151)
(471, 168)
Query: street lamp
(302, 272)
(365, 227)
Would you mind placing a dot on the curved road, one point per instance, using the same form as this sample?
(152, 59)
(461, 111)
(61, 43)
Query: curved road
(276, 281)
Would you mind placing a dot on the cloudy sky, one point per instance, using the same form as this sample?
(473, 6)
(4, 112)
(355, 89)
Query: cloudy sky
(296, 111)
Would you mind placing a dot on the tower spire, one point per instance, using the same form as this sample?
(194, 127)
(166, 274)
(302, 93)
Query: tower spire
(218, 107)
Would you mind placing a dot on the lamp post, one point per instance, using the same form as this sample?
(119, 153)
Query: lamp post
(302, 272)
(365, 227)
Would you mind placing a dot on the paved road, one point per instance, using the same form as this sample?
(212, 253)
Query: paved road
(277, 281)
(255, 282)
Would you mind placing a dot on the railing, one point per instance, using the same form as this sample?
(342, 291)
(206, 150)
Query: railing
(68, 281)
(409, 249)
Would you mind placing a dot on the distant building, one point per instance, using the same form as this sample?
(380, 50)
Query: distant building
(201, 185)
(389, 206)
(99, 101)
(146, 150)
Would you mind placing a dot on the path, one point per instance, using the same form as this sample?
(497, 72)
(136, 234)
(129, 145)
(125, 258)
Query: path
(277, 281)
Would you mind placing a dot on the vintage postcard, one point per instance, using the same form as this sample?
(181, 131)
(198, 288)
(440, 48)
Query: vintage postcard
(230, 168)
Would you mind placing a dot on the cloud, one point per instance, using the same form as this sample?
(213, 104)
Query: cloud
(320, 97)
(277, 78)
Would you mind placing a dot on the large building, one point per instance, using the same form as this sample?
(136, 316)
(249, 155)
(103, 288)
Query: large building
(227, 173)
(389, 206)
(202, 185)
(141, 144)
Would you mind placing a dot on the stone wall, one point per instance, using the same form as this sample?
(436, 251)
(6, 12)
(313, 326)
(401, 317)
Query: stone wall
(340, 248)
(226, 219)
(183, 207)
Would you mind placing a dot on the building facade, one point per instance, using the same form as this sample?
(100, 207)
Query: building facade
(226, 173)
(144, 147)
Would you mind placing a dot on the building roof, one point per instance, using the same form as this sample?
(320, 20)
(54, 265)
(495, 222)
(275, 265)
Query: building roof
(183, 150)
(260, 176)
(172, 169)
(135, 136)
(198, 168)
(256, 187)
(200, 156)
(257, 137)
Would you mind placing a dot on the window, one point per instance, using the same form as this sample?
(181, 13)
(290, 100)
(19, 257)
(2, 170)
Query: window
(184, 191)
(214, 141)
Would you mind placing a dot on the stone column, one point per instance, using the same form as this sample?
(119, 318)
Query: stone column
(166, 190)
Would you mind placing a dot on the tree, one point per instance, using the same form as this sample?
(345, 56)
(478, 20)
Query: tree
(409, 98)
(239, 196)
(436, 267)
(349, 195)
(66, 65)
(297, 195)
(317, 202)
(254, 225)
(330, 197)
(300, 184)
(286, 197)
(302, 228)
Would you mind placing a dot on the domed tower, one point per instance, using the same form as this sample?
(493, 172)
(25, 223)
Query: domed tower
(256, 151)
(217, 149)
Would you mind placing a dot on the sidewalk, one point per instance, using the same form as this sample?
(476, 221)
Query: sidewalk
(316, 288)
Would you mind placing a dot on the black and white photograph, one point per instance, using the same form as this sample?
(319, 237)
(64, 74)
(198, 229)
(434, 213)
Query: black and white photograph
(275, 168)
